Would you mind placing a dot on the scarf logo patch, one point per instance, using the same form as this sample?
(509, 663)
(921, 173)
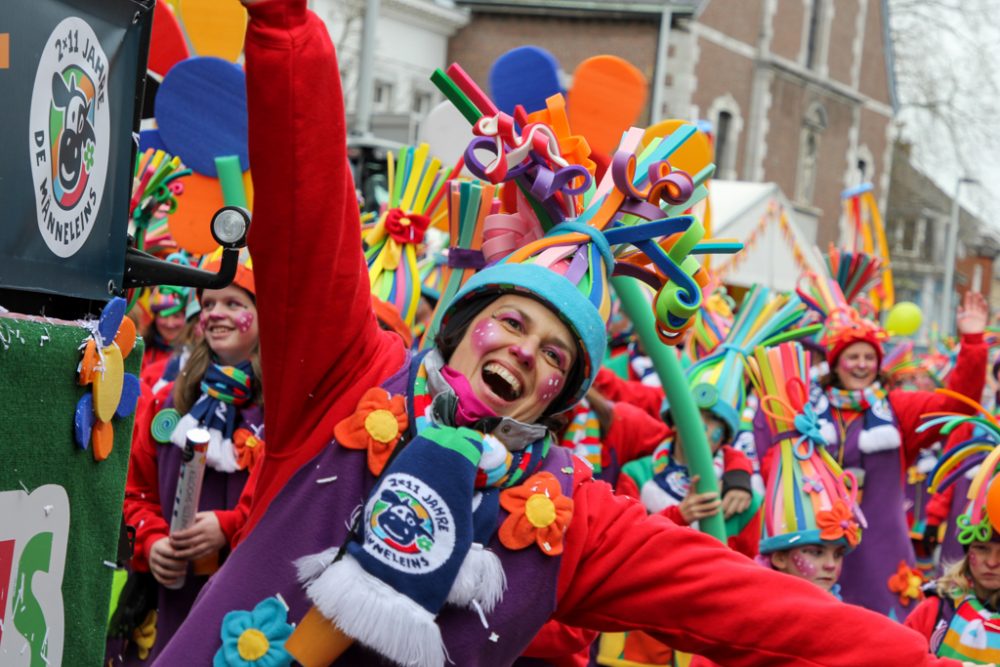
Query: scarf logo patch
(411, 528)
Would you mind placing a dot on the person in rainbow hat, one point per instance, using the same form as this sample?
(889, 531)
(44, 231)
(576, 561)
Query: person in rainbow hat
(472, 530)
(873, 432)
(960, 616)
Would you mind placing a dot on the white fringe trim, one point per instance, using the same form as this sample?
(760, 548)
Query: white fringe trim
(371, 612)
(481, 579)
(879, 439)
(221, 454)
(310, 567)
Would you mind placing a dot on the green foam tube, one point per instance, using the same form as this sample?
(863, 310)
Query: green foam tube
(687, 418)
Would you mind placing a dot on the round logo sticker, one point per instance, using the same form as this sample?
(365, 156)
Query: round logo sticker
(70, 135)
(410, 528)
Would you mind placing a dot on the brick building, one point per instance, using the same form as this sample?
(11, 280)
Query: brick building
(917, 219)
(799, 92)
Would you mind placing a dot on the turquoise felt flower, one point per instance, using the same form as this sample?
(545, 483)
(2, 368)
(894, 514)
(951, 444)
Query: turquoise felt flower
(255, 638)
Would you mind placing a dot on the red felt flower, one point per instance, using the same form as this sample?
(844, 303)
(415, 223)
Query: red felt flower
(539, 513)
(376, 426)
(406, 227)
(906, 582)
(838, 522)
(249, 448)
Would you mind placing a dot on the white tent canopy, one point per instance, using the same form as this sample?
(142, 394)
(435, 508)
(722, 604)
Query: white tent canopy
(738, 209)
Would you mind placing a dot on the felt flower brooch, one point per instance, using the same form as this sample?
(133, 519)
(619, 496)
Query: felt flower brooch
(113, 392)
(249, 448)
(376, 426)
(406, 227)
(539, 514)
(906, 582)
(255, 638)
(838, 522)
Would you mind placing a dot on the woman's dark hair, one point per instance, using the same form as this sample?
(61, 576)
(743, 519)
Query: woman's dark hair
(453, 331)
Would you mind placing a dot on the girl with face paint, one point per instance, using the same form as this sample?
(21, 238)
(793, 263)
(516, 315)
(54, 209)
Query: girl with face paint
(216, 388)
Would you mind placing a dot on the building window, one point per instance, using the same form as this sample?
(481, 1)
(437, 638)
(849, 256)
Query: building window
(726, 122)
(911, 239)
(382, 96)
(815, 34)
(421, 104)
(813, 126)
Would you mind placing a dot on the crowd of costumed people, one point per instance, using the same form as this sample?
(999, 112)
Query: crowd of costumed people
(553, 437)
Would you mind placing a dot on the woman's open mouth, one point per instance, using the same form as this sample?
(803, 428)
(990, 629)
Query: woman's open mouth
(502, 382)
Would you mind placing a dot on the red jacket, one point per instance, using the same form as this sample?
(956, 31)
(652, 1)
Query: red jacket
(321, 350)
(924, 617)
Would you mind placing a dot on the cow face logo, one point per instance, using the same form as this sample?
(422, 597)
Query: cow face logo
(409, 526)
(70, 135)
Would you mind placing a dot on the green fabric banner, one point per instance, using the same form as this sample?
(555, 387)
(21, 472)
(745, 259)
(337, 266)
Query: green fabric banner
(60, 510)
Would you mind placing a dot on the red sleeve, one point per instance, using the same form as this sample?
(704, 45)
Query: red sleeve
(673, 512)
(622, 570)
(232, 521)
(321, 347)
(151, 374)
(733, 459)
(646, 398)
(923, 618)
(561, 645)
(967, 378)
(142, 508)
(701, 661)
(633, 433)
(747, 541)
(626, 486)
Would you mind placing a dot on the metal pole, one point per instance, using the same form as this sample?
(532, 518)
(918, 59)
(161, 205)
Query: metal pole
(951, 252)
(366, 66)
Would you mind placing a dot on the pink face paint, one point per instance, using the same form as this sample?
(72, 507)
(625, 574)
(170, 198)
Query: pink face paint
(973, 559)
(803, 565)
(244, 321)
(549, 388)
(485, 336)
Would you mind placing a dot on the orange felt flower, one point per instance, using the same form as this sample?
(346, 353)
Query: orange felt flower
(376, 426)
(838, 522)
(906, 582)
(249, 448)
(539, 513)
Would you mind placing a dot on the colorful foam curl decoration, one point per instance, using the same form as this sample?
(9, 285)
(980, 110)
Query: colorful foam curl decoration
(629, 222)
(868, 237)
(765, 318)
(981, 520)
(415, 180)
(809, 498)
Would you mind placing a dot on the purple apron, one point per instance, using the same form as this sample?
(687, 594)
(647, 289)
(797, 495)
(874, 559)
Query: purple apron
(310, 515)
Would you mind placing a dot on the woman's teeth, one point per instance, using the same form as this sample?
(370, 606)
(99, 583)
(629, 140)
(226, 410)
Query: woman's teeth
(503, 382)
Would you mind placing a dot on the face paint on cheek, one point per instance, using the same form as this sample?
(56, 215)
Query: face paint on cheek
(549, 388)
(485, 336)
(803, 565)
(244, 321)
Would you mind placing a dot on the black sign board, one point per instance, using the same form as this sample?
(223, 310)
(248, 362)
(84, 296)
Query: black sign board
(71, 73)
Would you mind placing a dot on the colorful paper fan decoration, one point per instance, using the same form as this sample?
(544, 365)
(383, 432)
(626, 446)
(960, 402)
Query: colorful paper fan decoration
(901, 363)
(711, 325)
(155, 187)
(114, 393)
(764, 318)
(569, 223)
(809, 498)
(415, 182)
(868, 237)
(982, 518)
(859, 277)
(843, 323)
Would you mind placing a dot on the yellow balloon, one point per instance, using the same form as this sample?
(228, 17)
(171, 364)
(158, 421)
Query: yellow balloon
(904, 319)
(214, 27)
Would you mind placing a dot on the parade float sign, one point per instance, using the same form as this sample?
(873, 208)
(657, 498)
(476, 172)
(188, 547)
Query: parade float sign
(72, 78)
